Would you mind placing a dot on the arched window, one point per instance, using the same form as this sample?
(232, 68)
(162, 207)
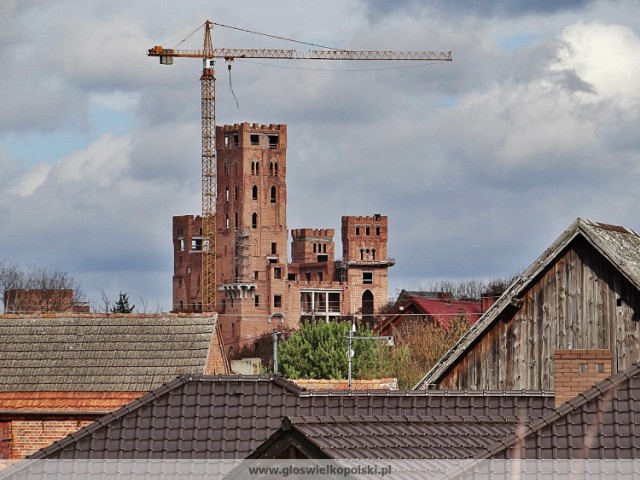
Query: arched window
(254, 192)
(373, 252)
(254, 220)
(270, 168)
(361, 254)
(324, 248)
(275, 169)
(367, 305)
(257, 168)
(253, 168)
(314, 248)
(273, 194)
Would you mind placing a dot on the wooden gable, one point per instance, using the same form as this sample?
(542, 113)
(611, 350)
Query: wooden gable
(573, 297)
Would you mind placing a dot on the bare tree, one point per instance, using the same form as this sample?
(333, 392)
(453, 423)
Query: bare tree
(471, 289)
(106, 303)
(420, 343)
(37, 290)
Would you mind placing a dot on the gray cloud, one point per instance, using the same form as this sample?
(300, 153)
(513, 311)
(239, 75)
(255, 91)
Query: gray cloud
(479, 163)
(378, 9)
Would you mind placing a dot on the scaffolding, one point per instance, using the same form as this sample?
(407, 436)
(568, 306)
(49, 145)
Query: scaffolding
(242, 256)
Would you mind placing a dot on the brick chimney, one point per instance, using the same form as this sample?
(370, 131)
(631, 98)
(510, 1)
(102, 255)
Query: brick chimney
(578, 370)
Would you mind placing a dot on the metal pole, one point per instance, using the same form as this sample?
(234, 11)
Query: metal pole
(276, 334)
(350, 351)
(350, 355)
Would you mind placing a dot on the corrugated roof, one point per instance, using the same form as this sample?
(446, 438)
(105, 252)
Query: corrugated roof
(619, 245)
(229, 417)
(101, 353)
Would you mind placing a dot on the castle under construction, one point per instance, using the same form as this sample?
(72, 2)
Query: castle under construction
(258, 289)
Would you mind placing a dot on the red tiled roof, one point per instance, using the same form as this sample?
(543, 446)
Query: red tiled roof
(65, 401)
(444, 310)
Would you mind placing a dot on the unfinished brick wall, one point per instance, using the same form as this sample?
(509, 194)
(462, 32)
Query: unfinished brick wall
(255, 293)
(578, 370)
(29, 436)
(187, 263)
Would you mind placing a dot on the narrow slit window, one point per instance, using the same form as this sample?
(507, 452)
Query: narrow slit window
(254, 192)
(273, 194)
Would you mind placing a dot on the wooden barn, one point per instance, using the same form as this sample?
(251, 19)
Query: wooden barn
(582, 294)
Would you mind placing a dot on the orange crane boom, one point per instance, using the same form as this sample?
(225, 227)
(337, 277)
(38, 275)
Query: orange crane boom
(207, 80)
(279, 54)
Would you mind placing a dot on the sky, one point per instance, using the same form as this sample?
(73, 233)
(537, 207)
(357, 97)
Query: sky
(479, 163)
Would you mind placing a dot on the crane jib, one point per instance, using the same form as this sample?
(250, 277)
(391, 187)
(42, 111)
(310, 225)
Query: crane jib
(230, 53)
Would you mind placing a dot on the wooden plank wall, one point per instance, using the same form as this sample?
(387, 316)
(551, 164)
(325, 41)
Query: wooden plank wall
(580, 301)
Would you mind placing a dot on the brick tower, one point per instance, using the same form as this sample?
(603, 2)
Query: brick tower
(257, 289)
(251, 229)
(187, 263)
(364, 265)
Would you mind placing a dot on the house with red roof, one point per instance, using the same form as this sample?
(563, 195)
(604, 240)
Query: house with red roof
(412, 307)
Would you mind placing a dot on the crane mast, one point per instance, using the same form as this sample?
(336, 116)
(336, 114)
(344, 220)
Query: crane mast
(208, 113)
(209, 177)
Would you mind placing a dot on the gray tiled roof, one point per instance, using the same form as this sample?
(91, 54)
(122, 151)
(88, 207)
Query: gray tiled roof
(600, 423)
(403, 437)
(619, 245)
(101, 353)
(229, 417)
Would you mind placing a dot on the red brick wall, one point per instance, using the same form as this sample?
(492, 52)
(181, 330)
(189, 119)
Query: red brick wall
(578, 370)
(217, 363)
(28, 436)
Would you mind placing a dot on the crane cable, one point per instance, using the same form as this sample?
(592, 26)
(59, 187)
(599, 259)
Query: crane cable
(276, 37)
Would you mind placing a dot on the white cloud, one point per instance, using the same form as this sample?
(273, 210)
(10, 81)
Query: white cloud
(102, 163)
(30, 182)
(606, 57)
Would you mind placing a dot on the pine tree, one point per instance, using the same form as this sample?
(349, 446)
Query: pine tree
(122, 304)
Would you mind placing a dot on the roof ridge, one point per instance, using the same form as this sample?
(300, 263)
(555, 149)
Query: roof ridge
(319, 419)
(278, 379)
(429, 393)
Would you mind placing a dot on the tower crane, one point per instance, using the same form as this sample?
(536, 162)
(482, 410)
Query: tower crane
(208, 96)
